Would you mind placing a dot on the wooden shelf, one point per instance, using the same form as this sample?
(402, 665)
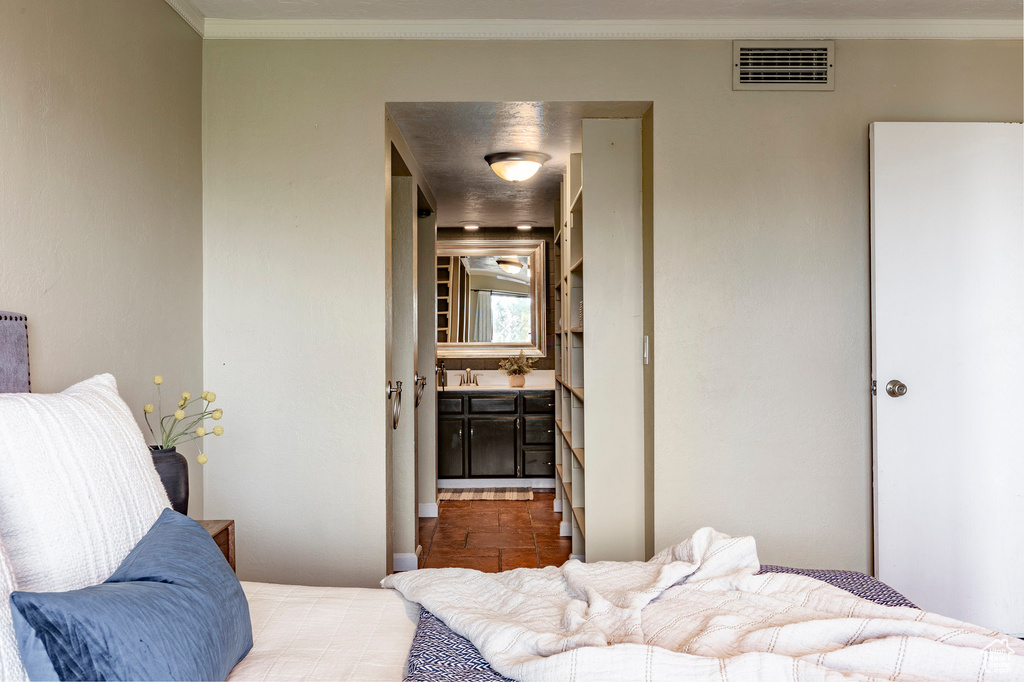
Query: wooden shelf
(577, 266)
(576, 330)
(567, 435)
(578, 454)
(558, 468)
(578, 392)
(580, 519)
(558, 423)
(567, 487)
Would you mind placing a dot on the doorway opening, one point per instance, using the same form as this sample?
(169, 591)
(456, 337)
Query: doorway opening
(496, 296)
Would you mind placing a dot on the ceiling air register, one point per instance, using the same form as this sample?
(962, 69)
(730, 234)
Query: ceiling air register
(783, 65)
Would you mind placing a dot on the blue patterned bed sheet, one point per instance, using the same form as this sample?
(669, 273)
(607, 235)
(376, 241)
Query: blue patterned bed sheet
(440, 655)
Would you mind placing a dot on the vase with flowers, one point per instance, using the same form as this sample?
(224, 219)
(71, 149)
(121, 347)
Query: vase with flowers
(178, 428)
(517, 367)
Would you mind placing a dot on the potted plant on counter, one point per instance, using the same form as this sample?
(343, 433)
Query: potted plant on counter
(517, 367)
(179, 428)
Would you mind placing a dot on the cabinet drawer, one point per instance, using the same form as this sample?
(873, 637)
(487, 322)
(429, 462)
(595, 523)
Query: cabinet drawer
(539, 431)
(492, 404)
(449, 404)
(539, 463)
(539, 403)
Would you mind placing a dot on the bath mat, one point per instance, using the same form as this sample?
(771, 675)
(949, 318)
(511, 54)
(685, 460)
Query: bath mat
(485, 494)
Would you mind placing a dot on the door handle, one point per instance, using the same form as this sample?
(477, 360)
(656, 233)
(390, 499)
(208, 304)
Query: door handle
(421, 383)
(896, 388)
(460, 434)
(395, 395)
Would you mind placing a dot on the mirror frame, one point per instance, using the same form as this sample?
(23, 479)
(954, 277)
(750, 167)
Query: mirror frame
(535, 249)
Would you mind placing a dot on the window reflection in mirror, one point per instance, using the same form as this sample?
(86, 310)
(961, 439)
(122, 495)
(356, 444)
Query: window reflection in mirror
(490, 299)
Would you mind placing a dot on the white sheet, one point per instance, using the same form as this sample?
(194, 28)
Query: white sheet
(327, 633)
(697, 611)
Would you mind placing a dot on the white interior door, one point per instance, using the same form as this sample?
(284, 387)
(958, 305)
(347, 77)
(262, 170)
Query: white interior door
(947, 267)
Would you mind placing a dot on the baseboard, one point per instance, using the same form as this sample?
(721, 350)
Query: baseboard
(405, 562)
(577, 557)
(428, 510)
(496, 483)
(556, 505)
(565, 529)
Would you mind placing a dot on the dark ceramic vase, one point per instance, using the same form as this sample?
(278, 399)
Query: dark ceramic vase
(173, 469)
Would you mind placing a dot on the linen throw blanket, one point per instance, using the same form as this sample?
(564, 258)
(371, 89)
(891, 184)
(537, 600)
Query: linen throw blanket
(699, 611)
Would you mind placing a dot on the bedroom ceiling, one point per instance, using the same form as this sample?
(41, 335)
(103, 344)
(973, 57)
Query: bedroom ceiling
(449, 141)
(608, 9)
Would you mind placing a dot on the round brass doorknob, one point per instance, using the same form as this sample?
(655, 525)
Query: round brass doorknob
(896, 388)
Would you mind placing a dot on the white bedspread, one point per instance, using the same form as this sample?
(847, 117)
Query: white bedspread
(698, 612)
(327, 633)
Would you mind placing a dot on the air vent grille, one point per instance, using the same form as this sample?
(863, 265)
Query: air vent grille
(783, 65)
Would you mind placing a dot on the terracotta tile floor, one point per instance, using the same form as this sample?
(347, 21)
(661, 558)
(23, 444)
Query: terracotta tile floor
(494, 536)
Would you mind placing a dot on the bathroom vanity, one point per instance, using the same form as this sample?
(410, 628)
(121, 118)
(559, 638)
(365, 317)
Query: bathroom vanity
(489, 432)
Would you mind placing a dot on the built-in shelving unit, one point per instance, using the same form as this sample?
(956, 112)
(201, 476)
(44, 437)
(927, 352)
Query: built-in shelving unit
(603, 481)
(444, 299)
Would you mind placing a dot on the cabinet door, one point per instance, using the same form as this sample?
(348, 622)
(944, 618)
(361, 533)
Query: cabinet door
(492, 446)
(450, 447)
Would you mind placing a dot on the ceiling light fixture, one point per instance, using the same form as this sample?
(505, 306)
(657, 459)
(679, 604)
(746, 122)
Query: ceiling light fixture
(516, 166)
(524, 227)
(510, 265)
(472, 227)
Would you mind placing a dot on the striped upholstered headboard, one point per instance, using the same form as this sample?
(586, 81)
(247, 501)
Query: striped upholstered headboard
(14, 373)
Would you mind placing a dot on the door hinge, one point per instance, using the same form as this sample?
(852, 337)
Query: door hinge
(874, 387)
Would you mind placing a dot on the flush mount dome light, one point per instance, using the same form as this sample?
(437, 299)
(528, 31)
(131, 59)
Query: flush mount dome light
(516, 166)
(510, 265)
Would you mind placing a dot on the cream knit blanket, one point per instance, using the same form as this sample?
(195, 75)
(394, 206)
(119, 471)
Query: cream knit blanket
(697, 611)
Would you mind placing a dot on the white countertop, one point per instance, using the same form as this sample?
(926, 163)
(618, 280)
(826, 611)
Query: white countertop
(542, 387)
(496, 380)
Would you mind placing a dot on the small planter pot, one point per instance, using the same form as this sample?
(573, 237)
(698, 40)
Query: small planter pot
(173, 469)
(517, 380)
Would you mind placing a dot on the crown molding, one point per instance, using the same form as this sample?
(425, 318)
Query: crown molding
(328, 29)
(190, 14)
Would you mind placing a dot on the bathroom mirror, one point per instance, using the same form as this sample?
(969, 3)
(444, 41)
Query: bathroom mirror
(491, 299)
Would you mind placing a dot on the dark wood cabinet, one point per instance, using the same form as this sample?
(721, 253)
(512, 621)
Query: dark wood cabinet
(496, 435)
(451, 449)
(492, 446)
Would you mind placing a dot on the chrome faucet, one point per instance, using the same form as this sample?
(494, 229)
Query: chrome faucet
(442, 376)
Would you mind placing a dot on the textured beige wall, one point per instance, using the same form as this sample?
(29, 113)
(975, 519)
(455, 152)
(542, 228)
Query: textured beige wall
(101, 193)
(760, 277)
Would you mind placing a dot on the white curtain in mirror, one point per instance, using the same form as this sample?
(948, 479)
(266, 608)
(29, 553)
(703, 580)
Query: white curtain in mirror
(483, 325)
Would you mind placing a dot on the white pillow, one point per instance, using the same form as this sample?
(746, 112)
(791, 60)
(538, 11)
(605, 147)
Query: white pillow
(11, 668)
(78, 488)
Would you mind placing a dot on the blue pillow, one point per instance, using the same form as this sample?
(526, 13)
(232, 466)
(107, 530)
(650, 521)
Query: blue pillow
(173, 610)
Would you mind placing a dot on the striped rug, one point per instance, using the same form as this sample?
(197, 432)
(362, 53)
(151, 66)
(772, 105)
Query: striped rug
(485, 494)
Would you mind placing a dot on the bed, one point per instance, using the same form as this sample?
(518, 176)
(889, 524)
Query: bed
(335, 633)
(609, 620)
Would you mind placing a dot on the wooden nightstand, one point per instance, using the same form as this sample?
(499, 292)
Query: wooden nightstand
(223, 533)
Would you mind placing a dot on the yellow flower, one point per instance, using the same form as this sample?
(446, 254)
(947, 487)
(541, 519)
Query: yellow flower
(218, 430)
(205, 395)
(202, 458)
(158, 380)
(186, 395)
(200, 431)
(179, 415)
(148, 409)
(217, 414)
(181, 403)
(210, 396)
